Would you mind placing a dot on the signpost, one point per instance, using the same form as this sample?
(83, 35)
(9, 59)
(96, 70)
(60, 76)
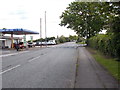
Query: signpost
(31, 38)
(24, 38)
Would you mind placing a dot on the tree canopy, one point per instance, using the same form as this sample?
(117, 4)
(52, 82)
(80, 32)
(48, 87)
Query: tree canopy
(87, 18)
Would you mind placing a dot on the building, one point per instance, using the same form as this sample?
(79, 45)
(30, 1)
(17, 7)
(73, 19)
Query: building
(5, 41)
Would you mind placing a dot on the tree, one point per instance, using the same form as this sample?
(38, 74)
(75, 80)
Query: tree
(4, 28)
(39, 40)
(113, 26)
(85, 18)
(72, 38)
(62, 39)
(109, 43)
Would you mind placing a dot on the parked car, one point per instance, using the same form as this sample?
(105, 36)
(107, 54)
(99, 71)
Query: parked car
(37, 44)
(30, 44)
(19, 45)
(51, 42)
(40, 43)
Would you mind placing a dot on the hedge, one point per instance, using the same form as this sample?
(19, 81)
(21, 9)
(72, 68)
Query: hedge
(107, 44)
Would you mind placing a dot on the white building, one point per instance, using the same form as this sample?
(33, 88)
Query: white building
(5, 41)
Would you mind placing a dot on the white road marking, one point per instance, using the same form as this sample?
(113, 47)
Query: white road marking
(10, 69)
(12, 54)
(34, 59)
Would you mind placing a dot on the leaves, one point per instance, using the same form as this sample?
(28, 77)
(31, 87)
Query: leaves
(85, 18)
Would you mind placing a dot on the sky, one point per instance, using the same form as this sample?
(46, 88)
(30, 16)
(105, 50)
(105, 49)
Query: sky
(26, 14)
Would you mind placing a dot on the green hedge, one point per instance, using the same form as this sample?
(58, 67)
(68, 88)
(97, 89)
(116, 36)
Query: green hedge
(107, 44)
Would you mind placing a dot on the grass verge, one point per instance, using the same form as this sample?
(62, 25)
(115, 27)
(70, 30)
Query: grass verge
(110, 64)
(81, 42)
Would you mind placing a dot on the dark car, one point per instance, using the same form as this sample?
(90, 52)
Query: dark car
(19, 45)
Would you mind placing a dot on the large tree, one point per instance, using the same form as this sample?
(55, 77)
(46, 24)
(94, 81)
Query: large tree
(85, 18)
(114, 27)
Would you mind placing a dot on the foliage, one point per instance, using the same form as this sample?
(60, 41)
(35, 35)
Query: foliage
(107, 44)
(72, 38)
(4, 28)
(42, 40)
(83, 42)
(85, 18)
(50, 38)
(39, 40)
(63, 39)
(114, 27)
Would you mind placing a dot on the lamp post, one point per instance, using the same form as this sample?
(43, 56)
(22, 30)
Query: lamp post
(45, 30)
(41, 31)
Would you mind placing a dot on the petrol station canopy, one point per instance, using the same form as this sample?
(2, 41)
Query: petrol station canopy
(17, 31)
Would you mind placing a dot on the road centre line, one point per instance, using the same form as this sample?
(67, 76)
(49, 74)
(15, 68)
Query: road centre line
(34, 59)
(10, 69)
(12, 54)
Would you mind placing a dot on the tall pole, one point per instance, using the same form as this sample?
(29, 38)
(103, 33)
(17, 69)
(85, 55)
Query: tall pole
(45, 30)
(41, 30)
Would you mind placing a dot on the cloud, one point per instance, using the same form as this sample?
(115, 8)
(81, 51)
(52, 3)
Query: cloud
(23, 17)
(18, 12)
(27, 13)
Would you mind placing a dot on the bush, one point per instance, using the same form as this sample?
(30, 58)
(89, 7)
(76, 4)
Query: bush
(107, 44)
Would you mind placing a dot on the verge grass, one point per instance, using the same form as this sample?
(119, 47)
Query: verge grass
(110, 63)
(81, 42)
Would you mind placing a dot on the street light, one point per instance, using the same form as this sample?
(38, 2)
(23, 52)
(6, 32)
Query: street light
(45, 30)
(41, 30)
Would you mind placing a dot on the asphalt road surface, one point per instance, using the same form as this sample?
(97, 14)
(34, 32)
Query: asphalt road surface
(51, 67)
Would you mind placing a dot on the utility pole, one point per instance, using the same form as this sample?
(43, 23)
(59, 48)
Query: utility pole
(41, 30)
(45, 30)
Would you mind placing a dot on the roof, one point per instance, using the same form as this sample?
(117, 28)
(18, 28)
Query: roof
(2, 39)
(8, 37)
(17, 31)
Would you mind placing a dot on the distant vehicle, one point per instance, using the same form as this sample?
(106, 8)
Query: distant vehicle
(34, 43)
(44, 43)
(37, 44)
(19, 45)
(51, 42)
(30, 44)
(40, 43)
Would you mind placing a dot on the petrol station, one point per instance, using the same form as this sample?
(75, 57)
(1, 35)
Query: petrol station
(13, 32)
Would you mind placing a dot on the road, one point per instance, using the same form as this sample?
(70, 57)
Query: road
(51, 67)
(47, 68)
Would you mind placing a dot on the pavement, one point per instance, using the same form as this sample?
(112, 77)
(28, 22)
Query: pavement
(66, 65)
(90, 74)
(7, 51)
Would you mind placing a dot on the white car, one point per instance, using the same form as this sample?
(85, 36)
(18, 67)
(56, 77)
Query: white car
(30, 44)
(51, 42)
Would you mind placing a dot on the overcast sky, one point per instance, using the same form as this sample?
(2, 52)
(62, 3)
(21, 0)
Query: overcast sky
(26, 14)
